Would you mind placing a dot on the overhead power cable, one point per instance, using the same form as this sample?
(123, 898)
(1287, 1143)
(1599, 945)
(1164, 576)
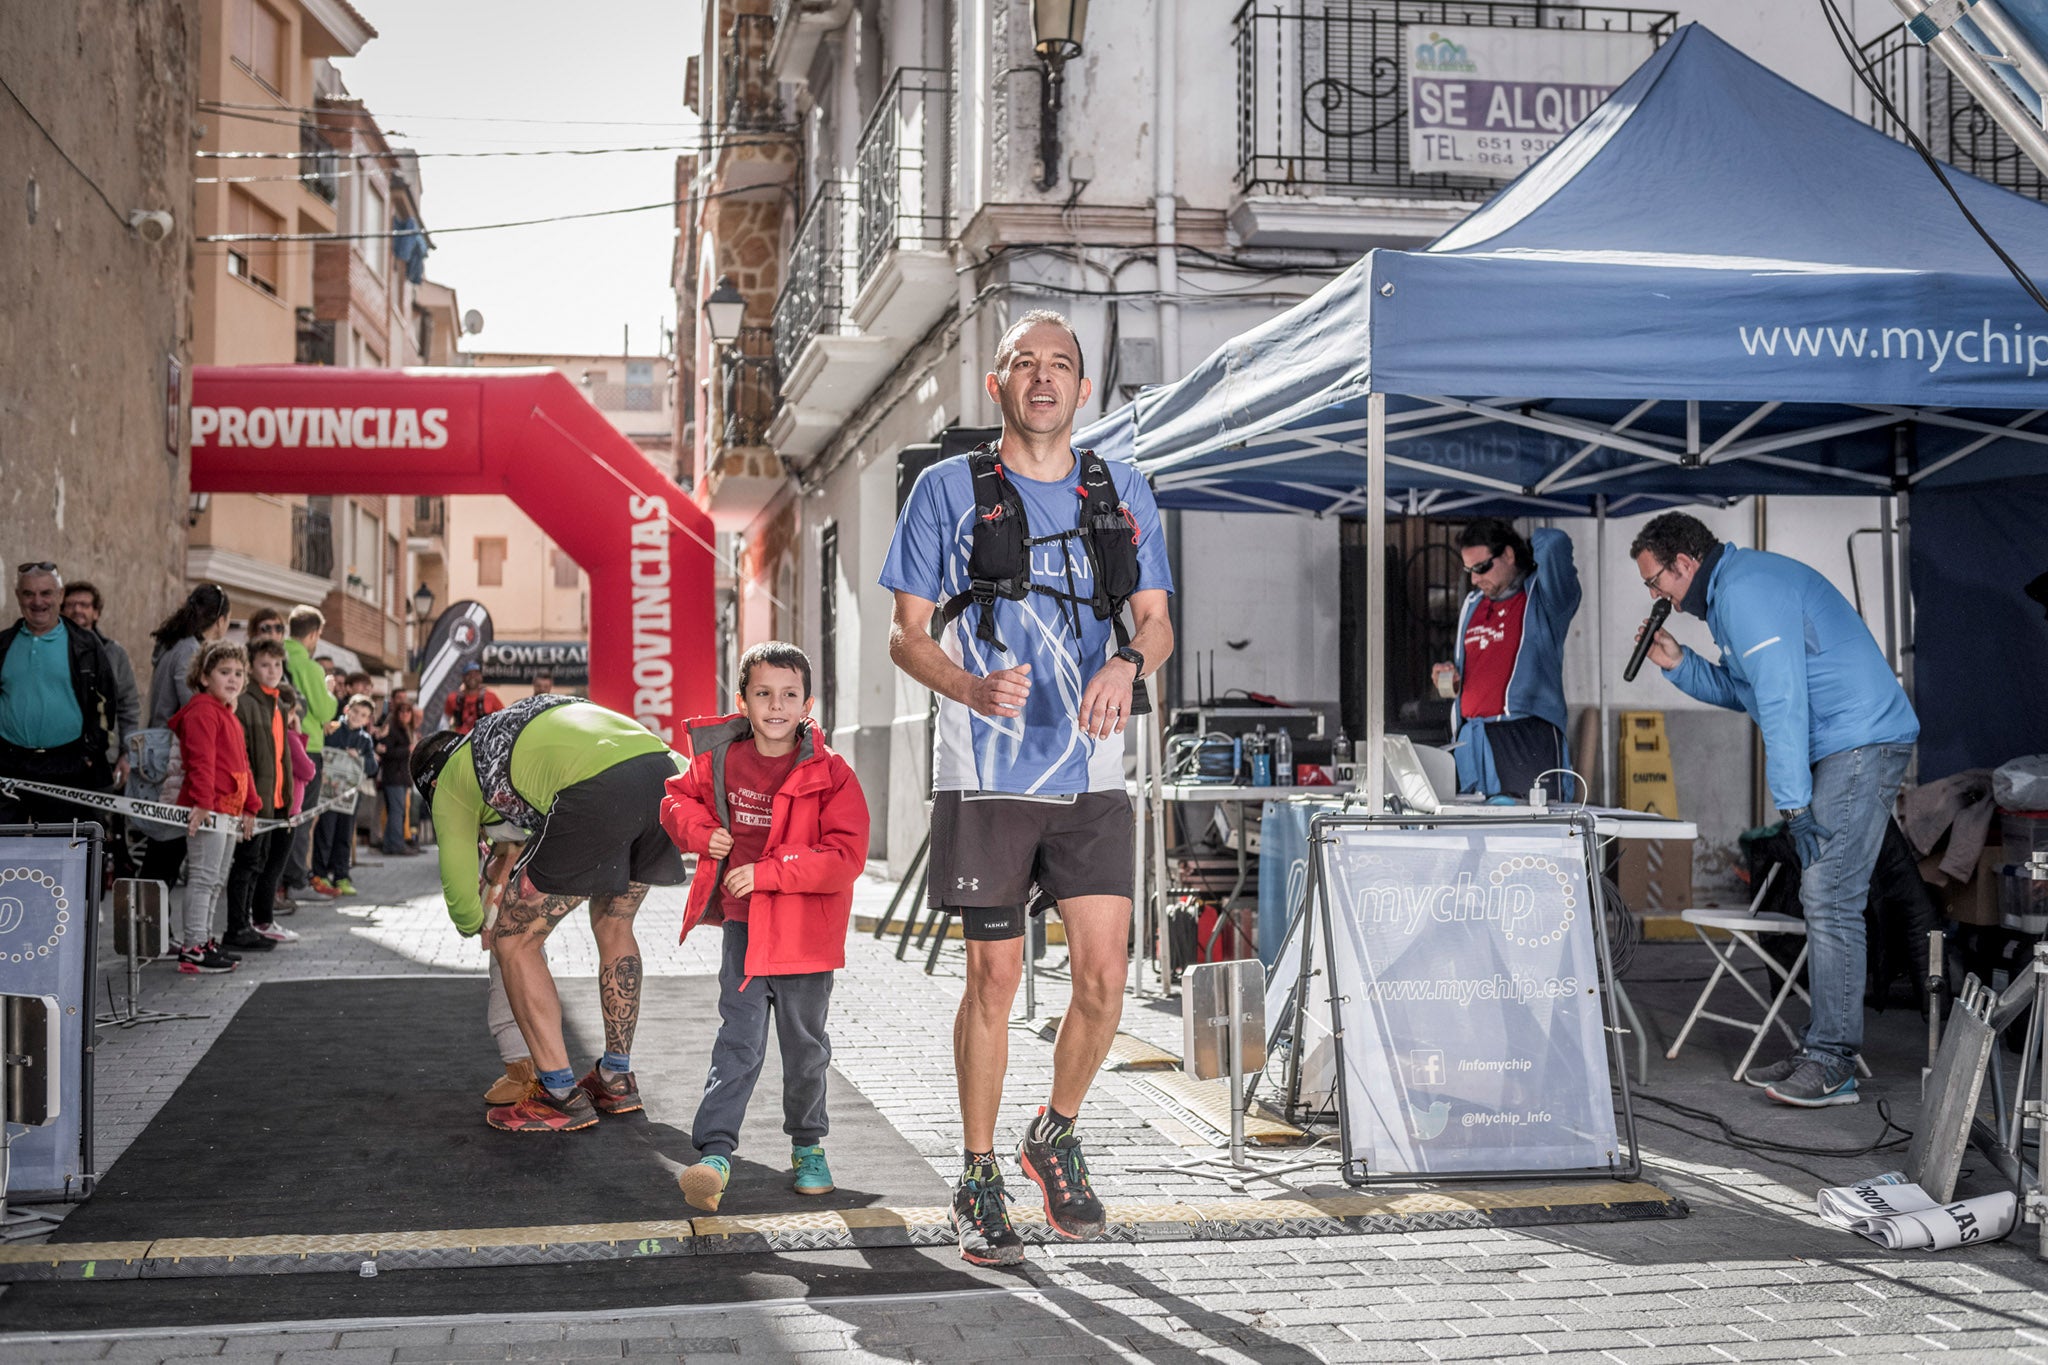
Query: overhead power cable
(407, 153)
(224, 106)
(439, 231)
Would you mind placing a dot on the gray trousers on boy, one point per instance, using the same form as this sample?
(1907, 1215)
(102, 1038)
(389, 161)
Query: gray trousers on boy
(801, 1005)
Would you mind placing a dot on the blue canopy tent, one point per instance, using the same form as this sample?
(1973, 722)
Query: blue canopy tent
(1716, 286)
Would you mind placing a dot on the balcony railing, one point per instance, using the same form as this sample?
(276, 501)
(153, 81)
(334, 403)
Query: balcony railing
(312, 542)
(1322, 97)
(813, 300)
(429, 517)
(751, 392)
(905, 161)
(752, 100)
(318, 163)
(316, 339)
(1946, 115)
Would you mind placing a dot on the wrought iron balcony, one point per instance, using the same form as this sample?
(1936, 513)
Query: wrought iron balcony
(751, 391)
(316, 339)
(905, 163)
(1322, 97)
(313, 541)
(813, 299)
(752, 100)
(318, 163)
(1947, 117)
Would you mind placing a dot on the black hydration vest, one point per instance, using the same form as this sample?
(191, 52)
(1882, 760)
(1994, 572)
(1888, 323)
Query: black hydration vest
(999, 561)
(490, 749)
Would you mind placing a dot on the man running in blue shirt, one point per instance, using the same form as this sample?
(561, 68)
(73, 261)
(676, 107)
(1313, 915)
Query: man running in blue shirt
(1838, 732)
(1026, 553)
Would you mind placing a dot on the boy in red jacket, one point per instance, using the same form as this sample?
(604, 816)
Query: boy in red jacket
(217, 781)
(780, 829)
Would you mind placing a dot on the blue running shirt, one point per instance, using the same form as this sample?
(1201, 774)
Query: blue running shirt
(1043, 751)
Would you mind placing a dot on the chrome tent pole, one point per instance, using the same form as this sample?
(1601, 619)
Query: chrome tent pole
(1376, 602)
(1605, 743)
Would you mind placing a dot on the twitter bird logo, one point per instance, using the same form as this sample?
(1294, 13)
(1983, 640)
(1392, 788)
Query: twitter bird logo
(1427, 1123)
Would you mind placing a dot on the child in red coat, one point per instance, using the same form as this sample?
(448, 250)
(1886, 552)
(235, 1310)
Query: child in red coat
(217, 781)
(780, 829)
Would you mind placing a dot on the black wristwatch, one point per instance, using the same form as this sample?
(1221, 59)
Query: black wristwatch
(1133, 658)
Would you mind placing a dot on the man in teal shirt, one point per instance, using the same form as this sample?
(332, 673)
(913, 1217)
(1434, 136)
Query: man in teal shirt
(585, 784)
(58, 711)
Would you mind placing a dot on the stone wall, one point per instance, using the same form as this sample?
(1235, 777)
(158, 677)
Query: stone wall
(93, 469)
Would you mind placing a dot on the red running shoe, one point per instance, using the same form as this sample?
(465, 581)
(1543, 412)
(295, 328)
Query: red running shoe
(619, 1095)
(541, 1112)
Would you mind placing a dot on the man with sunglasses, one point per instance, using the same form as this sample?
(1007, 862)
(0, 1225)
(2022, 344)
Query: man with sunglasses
(1838, 732)
(59, 714)
(1507, 674)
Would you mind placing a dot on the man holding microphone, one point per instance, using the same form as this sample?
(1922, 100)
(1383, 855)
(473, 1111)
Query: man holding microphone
(1838, 733)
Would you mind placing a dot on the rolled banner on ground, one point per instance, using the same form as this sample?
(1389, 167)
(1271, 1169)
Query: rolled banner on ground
(1900, 1216)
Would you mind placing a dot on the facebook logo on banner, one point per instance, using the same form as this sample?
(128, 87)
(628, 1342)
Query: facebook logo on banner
(1426, 1066)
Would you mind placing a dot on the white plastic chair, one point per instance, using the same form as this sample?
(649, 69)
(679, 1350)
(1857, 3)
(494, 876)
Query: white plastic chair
(1747, 928)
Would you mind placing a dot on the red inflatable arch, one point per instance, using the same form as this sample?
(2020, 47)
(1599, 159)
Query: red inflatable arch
(526, 434)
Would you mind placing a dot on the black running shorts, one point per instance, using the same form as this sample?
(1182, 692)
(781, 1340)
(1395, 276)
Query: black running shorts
(605, 833)
(989, 849)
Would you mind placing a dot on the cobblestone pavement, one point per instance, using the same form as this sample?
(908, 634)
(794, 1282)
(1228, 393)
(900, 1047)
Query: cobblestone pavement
(1752, 1275)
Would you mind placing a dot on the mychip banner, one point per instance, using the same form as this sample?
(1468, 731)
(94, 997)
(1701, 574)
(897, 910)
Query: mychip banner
(1465, 975)
(47, 923)
(1490, 101)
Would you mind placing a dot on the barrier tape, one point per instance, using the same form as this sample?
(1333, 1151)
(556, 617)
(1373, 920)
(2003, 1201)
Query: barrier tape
(170, 815)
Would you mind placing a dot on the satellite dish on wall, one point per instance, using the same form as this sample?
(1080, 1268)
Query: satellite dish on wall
(472, 322)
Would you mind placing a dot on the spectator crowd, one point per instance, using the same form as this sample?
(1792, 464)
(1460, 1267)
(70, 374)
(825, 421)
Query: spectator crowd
(258, 729)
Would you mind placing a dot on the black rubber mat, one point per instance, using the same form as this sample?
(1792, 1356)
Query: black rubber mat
(571, 1290)
(354, 1106)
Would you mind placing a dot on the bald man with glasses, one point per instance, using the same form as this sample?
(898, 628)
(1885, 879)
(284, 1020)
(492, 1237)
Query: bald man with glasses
(59, 708)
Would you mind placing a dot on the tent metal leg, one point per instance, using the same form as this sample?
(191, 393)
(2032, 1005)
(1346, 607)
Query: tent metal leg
(912, 875)
(1376, 603)
(1605, 748)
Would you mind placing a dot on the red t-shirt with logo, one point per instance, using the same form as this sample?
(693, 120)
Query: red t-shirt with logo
(751, 781)
(1493, 637)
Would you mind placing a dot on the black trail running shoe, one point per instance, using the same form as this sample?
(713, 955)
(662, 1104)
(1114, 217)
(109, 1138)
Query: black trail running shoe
(1059, 1170)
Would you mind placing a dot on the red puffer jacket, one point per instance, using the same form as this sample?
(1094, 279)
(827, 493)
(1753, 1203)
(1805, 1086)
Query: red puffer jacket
(216, 756)
(817, 847)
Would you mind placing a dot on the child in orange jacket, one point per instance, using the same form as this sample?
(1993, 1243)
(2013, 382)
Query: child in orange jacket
(780, 829)
(217, 781)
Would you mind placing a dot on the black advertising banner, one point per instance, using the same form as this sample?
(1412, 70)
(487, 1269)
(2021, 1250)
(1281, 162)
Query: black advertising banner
(458, 639)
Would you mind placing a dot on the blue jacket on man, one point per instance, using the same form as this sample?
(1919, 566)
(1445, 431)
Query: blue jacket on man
(1536, 687)
(1797, 657)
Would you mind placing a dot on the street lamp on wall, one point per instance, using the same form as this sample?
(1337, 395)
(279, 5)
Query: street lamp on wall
(1058, 25)
(725, 311)
(422, 605)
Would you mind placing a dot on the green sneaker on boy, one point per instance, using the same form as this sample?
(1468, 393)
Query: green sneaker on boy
(813, 1176)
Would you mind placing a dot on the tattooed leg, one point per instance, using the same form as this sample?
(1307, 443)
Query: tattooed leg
(522, 929)
(619, 973)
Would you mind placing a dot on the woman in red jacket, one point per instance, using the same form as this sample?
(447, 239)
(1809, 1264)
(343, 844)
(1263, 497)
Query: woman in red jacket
(780, 829)
(217, 781)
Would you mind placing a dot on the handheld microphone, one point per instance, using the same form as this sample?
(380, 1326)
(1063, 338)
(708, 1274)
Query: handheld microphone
(1660, 610)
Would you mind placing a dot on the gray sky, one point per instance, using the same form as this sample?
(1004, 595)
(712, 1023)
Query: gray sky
(564, 286)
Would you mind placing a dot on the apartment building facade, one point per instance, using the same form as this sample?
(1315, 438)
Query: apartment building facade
(297, 158)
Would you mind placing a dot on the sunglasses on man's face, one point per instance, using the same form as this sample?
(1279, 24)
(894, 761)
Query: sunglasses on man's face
(1481, 567)
(270, 628)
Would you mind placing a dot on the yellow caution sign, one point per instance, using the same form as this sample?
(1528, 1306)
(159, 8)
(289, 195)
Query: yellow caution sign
(1647, 783)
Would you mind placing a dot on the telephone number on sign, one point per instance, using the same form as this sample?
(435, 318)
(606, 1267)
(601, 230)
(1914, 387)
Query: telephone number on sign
(1499, 143)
